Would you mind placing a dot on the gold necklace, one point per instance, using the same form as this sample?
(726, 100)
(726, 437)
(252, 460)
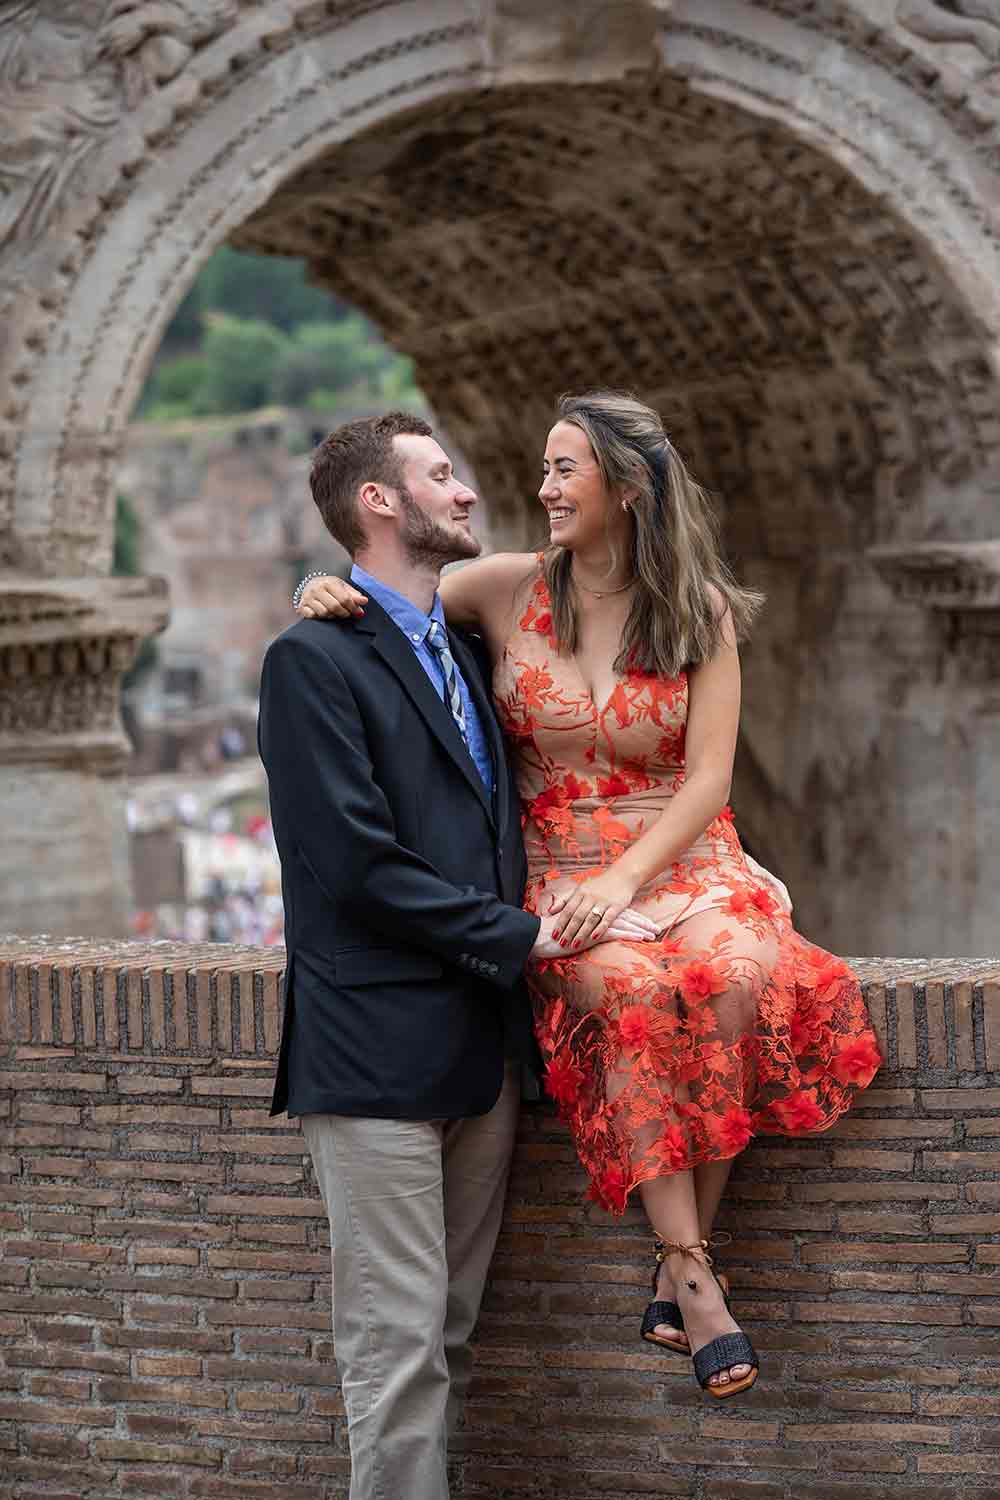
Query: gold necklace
(602, 593)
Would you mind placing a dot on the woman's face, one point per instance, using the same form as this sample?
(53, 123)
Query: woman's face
(580, 508)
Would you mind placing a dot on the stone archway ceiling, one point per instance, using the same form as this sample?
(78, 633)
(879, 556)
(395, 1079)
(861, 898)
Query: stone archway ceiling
(815, 364)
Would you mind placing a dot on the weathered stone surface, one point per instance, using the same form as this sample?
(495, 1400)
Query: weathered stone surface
(64, 644)
(779, 221)
(65, 849)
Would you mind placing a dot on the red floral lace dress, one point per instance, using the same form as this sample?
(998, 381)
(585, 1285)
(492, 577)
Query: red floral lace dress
(663, 1055)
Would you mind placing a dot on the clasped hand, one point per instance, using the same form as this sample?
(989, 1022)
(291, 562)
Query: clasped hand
(597, 911)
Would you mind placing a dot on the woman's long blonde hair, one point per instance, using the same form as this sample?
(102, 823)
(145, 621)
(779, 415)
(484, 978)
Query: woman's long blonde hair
(676, 619)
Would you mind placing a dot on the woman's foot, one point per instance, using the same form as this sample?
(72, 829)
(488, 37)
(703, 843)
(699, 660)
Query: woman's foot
(666, 1291)
(706, 1317)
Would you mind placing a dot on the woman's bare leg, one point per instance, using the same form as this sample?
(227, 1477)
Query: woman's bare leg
(672, 1209)
(709, 1185)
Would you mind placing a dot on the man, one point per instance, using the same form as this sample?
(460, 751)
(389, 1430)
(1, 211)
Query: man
(398, 830)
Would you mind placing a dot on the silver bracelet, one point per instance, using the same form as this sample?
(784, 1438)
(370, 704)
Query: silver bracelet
(300, 588)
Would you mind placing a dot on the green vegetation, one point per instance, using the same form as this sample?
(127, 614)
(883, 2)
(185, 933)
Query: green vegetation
(252, 332)
(125, 563)
(125, 548)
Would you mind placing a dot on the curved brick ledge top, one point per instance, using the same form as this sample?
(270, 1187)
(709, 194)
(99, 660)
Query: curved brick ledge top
(121, 953)
(171, 1002)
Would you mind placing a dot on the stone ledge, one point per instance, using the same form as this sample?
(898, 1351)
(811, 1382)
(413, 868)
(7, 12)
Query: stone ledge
(961, 577)
(170, 998)
(36, 611)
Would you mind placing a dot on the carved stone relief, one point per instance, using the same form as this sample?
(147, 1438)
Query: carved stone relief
(132, 34)
(797, 335)
(63, 648)
(73, 690)
(69, 71)
(959, 584)
(975, 23)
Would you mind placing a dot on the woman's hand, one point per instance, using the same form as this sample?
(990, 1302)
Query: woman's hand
(629, 927)
(588, 912)
(331, 596)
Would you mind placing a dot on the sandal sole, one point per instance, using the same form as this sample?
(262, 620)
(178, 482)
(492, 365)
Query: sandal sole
(661, 1343)
(734, 1387)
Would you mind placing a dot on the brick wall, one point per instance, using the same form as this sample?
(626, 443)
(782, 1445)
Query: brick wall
(164, 1287)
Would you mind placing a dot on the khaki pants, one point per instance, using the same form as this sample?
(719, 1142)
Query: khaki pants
(414, 1209)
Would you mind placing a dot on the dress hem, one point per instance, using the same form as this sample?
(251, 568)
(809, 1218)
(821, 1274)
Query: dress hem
(704, 1159)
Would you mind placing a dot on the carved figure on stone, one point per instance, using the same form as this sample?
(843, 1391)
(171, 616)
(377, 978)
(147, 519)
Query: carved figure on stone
(975, 22)
(155, 39)
(69, 69)
(58, 103)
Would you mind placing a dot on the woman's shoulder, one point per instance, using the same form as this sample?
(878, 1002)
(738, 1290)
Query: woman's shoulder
(512, 567)
(497, 577)
(481, 594)
(499, 564)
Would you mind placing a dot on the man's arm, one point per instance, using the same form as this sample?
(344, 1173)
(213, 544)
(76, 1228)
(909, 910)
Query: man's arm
(312, 741)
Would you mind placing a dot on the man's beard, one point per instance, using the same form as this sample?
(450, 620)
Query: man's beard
(427, 541)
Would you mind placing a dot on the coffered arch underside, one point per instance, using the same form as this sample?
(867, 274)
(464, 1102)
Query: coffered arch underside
(707, 229)
(803, 342)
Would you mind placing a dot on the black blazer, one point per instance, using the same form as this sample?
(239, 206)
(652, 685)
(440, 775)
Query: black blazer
(402, 879)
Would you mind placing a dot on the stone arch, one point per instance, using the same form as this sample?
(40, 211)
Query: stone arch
(795, 220)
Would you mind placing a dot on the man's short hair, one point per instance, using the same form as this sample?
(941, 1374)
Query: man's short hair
(358, 453)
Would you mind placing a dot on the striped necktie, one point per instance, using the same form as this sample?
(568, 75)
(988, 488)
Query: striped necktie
(438, 642)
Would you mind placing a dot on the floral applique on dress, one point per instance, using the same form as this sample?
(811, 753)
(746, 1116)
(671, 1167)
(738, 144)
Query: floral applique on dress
(664, 1055)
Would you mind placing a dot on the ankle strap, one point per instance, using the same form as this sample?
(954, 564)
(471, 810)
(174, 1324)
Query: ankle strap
(697, 1252)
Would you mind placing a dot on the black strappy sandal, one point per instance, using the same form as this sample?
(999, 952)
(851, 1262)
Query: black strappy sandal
(662, 1312)
(668, 1312)
(723, 1352)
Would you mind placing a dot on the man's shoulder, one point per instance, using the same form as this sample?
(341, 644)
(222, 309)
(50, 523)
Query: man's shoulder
(336, 639)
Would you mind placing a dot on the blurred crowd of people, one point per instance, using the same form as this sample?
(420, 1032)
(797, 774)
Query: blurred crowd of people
(232, 883)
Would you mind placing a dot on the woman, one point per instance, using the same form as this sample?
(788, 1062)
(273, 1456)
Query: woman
(616, 678)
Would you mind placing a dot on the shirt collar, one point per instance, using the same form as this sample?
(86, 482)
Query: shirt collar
(412, 621)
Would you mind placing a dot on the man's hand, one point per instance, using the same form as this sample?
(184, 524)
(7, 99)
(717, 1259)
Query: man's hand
(331, 597)
(629, 927)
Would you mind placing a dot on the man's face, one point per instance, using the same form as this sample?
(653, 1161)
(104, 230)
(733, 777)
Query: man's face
(436, 507)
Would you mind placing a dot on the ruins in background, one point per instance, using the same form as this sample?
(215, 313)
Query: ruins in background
(777, 221)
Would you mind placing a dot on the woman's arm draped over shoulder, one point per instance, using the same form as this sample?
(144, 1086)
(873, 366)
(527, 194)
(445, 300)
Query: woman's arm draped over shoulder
(481, 595)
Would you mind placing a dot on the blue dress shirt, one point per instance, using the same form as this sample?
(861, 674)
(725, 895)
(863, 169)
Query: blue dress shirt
(415, 624)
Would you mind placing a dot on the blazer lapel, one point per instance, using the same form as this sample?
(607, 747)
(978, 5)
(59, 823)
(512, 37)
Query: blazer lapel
(483, 699)
(396, 651)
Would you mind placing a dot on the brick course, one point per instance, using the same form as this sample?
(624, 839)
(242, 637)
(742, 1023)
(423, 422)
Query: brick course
(164, 1285)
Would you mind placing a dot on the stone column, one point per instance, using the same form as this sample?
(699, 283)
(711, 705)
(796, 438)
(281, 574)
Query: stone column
(64, 646)
(947, 741)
